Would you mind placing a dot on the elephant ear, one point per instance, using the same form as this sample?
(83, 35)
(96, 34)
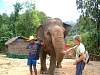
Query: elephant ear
(40, 32)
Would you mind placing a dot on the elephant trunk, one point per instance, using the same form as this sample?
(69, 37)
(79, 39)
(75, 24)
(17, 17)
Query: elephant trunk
(58, 41)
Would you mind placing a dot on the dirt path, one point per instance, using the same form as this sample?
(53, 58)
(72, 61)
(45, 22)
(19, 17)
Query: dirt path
(9, 66)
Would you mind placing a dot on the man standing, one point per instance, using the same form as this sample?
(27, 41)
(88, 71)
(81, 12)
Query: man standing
(80, 50)
(32, 56)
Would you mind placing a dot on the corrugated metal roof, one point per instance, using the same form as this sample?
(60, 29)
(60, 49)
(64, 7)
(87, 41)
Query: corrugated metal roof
(66, 24)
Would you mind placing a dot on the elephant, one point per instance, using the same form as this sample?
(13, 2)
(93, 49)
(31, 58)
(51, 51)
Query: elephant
(52, 33)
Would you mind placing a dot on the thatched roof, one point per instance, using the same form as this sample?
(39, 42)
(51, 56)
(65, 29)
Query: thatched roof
(14, 38)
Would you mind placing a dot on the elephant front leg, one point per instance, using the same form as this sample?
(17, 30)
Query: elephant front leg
(59, 60)
(52, 63)
(43, 62)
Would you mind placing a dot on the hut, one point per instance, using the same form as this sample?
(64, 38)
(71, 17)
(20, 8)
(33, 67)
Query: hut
(16, 47)
(67, 28)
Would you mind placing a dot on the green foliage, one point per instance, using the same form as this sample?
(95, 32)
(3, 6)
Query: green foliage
(38, 18)
(17, 24)
(4, 30)
(89, 24)
(17, 8)
(86, 39)
(69, 41)
(90, 43)
(25, 25)
(17, 56)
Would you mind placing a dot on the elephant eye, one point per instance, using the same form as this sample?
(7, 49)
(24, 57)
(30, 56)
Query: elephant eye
(48, 33)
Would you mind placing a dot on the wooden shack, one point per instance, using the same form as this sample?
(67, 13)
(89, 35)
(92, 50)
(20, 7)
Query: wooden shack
(67, 28)
(17, 46)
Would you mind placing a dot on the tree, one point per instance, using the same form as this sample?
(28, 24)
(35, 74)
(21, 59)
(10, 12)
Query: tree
(91, 9)
(29, 21)
(90, 20)
(25, 25)
(20, 24)
(4, 27)
(17, 8)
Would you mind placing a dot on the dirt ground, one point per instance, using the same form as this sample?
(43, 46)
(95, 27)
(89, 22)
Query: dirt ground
(9, 66)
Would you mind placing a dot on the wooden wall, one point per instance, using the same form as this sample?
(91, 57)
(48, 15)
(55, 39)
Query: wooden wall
(18, 47)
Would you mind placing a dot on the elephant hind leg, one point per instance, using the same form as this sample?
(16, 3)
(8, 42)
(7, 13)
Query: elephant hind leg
(58, 65)
(59, 60)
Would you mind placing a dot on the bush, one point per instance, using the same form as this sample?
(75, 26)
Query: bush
(89, 41)
(69, 41)
(11, 55)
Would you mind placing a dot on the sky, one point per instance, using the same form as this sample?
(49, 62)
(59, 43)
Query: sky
(66, 10)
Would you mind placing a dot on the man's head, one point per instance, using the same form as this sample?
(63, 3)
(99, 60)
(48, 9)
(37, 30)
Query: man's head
(76, 39)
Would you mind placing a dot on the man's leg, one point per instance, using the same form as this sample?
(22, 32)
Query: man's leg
(78, 72)
(35, 69)
(79, 68)
(30, 68)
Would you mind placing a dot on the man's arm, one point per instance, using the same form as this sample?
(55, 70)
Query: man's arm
(80, 58)
(70, 49)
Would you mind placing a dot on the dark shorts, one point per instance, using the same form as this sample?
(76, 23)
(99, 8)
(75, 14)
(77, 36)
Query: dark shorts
(31, 62)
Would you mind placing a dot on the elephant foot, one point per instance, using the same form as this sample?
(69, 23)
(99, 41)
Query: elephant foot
(58, 66)
(50, 73)
(43, 72)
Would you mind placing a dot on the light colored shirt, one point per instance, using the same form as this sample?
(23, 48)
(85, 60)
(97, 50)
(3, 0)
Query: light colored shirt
(80, 49)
